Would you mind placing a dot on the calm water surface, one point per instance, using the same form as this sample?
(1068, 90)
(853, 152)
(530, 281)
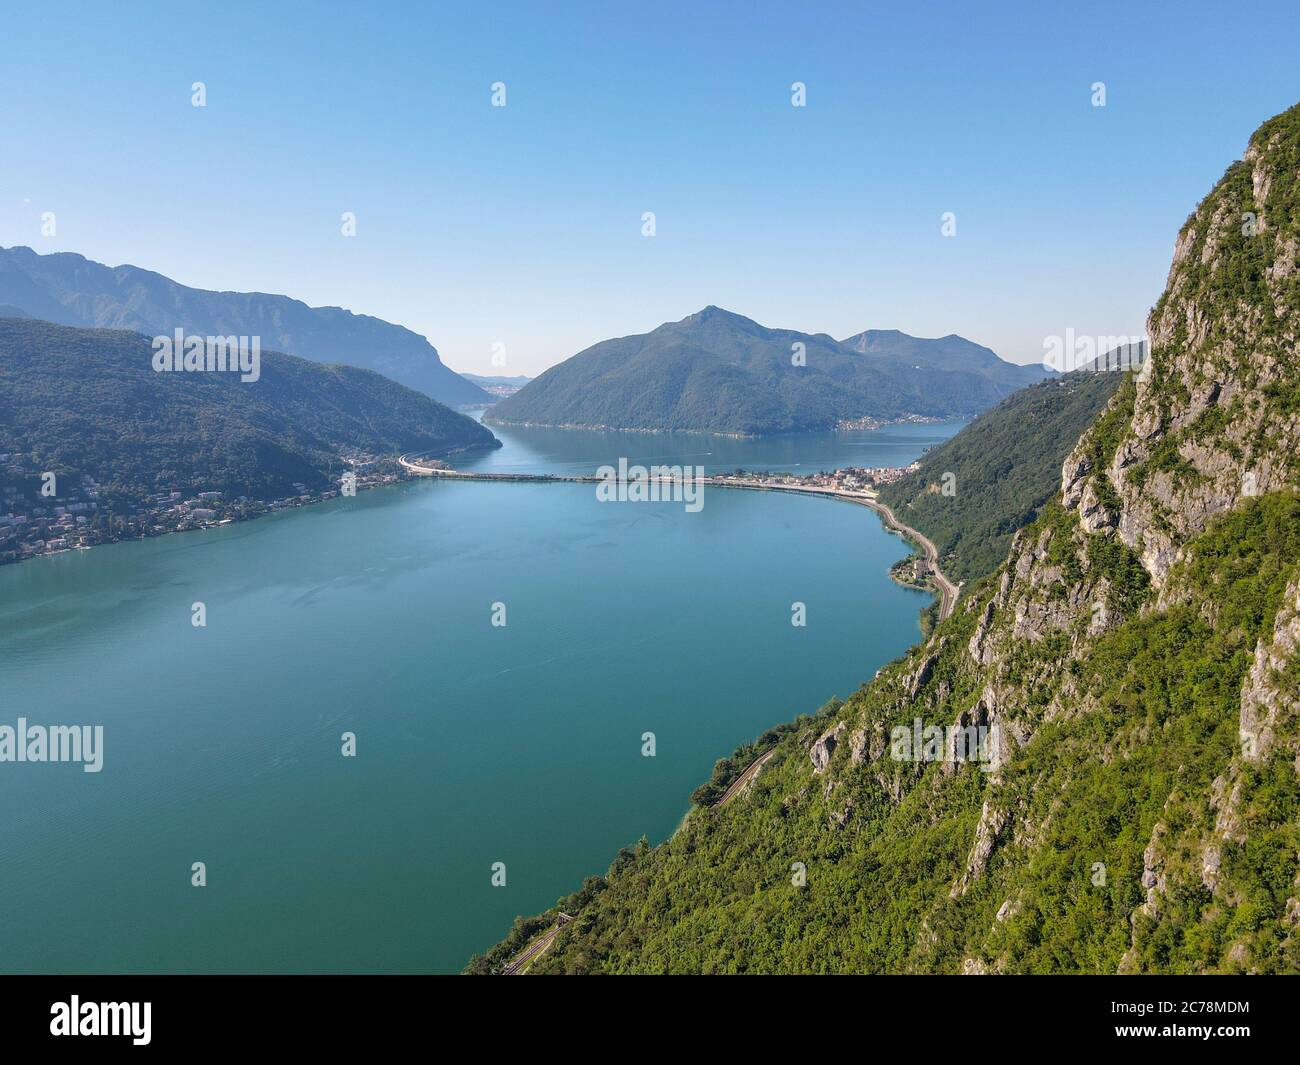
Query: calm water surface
(475, 744)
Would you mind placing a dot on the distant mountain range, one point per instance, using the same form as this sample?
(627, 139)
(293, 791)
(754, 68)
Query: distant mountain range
(70, 289)
(497, 387)
(89, 402)
(952, 353)
(720, 372)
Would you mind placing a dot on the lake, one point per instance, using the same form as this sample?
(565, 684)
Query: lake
(475, 743)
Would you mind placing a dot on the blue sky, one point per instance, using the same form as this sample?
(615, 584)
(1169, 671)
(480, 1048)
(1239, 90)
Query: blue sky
(522, 225)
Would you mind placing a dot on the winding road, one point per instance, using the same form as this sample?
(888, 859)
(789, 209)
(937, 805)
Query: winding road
(741, 782)
(520, 962)
(947, 589)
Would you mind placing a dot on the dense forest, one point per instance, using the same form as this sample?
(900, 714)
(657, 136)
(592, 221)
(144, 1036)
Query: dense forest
(1004, 466)
(1133, 665)
(88, 402)
(720, 372)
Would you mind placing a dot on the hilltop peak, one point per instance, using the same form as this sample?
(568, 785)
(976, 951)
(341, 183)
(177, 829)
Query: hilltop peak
(714, 313)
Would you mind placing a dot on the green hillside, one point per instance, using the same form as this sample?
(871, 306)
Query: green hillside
(1005, 466)
(1132, 669)
(88, 402)
(719, 372)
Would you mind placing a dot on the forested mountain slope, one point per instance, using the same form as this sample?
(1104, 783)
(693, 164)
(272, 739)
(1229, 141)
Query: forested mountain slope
(88, 402)
(976, 489)
(720, 372)
(1136, 660)
(72, 290)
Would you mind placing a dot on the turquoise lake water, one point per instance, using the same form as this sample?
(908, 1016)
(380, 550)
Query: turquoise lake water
(475, 744)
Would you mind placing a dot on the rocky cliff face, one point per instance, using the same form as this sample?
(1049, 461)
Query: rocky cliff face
(1213, 416)
(1094, 765)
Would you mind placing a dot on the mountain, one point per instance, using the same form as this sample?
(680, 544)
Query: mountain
(88, 402)
(719, 372)
(516, 382)
(497, 387)
(1092, 765)
(999, 470)
(1128, 356)
(946, 354)
(71, 290)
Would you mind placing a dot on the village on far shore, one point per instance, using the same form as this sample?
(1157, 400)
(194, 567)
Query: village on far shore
(76, 517)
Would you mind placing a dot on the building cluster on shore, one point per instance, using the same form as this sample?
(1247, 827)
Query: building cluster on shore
(847, 479)
(915, 571)
(870, 423)
(77, 516)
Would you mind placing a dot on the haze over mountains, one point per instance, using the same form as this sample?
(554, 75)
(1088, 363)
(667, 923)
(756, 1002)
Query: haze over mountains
(720, 372)
(69, 289)
(497, 387)
(952, 352)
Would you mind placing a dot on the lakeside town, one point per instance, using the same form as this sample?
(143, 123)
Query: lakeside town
(868, 422)
(914, 571)
(75, 515)
(845, 479)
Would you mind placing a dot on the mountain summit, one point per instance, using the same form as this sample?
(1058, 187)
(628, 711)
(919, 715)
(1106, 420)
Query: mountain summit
(718, 371)
(69, 289)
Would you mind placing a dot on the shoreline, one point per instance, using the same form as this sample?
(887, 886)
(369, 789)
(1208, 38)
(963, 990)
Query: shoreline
(947, 591)
(852, 426)
(251, 510)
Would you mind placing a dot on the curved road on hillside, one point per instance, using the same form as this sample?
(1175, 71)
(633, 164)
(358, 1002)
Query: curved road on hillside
(535, 949)
(947, 589)
(741, 782)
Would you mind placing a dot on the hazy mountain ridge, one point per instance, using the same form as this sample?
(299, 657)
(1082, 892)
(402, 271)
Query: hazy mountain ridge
(720, 372)
(951, 352)
(1136, 659)
(479, 379)
(69, 289)
(497, 387)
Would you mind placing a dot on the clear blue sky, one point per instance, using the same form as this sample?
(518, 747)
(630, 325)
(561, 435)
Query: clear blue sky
(523, 225)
